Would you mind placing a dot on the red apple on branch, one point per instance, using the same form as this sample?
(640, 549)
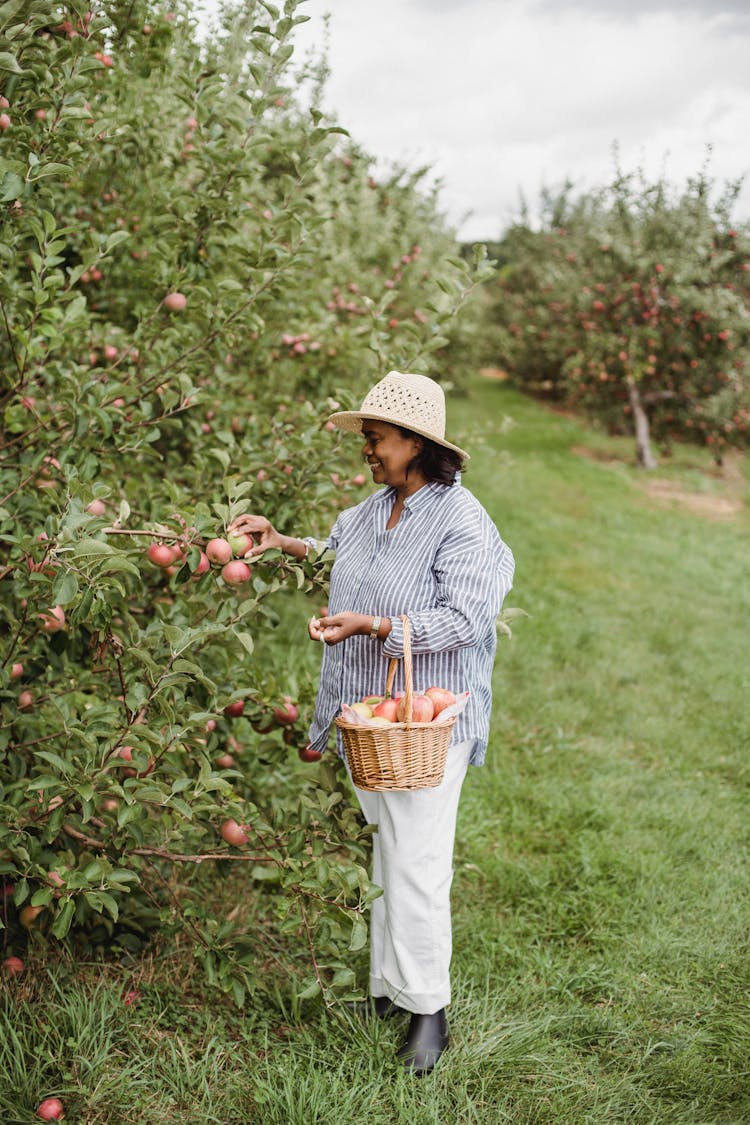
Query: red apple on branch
(233, 833)
(218, 551)
(160, 554)
(240, 544)
(225, 762)
(286, 714)
(175, 302)
(307, 754)
(236, 573)
(53, 620)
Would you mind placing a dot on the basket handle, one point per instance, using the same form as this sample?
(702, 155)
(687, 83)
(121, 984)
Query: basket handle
(408, 684)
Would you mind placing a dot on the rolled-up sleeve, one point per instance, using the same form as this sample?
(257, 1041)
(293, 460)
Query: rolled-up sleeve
(320, 546)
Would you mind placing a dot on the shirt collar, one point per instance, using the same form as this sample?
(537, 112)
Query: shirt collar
(417, 499)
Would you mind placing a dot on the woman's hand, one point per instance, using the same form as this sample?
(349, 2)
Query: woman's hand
(264, 534)
(333, 630)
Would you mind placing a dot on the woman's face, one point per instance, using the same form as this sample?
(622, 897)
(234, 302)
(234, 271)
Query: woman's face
(389, 453)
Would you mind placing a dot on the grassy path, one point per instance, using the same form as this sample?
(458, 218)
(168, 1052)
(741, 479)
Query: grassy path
(601, 894)
(607, 843)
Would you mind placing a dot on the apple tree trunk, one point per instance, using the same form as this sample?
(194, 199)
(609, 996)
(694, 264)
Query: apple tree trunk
(644, 452)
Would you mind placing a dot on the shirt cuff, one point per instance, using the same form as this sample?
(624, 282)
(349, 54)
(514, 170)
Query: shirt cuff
(393, 645)
(314, 545)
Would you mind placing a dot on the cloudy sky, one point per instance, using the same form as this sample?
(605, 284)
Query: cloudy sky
(501, 97)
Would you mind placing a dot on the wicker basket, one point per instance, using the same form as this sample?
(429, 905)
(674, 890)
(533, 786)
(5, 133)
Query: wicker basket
(402, 755)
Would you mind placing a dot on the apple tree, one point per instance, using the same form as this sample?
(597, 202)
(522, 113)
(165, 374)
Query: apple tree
(196, 267)
(631, 303)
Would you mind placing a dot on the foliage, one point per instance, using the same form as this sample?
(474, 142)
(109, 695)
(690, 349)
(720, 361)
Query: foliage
(632, 304)
(193, 264)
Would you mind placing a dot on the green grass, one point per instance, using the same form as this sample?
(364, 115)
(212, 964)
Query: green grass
(602, 914)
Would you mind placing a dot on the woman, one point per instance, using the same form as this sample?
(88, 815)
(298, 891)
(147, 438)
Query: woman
(422, 546)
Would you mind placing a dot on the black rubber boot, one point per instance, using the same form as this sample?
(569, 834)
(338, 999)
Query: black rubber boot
(377, 1007)
(425, 1042)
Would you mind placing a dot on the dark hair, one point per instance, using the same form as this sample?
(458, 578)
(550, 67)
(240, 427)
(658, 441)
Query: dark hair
(434, 461)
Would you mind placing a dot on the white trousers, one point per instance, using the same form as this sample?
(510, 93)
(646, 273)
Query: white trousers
(410, 924)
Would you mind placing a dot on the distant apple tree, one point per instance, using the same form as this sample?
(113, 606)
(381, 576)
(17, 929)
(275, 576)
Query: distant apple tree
(632, 304)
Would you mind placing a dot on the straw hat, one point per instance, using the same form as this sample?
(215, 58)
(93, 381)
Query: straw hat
(412, 401)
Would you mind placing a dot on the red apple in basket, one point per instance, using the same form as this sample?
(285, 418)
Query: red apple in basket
(422, 709)
(441, 698)
(387, 709)
(372, 700)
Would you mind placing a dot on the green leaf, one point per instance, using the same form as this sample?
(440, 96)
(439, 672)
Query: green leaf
(246, 641)
(222, 457)
(344, 978)
(182, 807)
(50, 170)
(11, 187)
(64, 588)
(101, 901)
(9, 10)
(10, 63)
(238, 991)
(115, 238)
(55, 760)
(62, 922)
(266, 873)
(358, 939)
(309, 992)
(187, 668)
(126, 813)
(89, 548)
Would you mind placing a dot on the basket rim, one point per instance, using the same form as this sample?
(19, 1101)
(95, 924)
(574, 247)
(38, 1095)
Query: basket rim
(432, 725)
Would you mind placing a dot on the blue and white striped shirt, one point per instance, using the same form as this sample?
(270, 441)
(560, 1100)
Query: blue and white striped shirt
(445, 566)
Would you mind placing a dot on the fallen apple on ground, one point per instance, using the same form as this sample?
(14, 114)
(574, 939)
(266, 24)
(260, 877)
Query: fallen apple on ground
(51, 1109)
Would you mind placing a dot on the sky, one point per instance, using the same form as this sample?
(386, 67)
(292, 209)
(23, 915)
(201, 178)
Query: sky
(501, 98)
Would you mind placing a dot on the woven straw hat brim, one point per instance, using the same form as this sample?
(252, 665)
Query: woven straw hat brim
(352, 420)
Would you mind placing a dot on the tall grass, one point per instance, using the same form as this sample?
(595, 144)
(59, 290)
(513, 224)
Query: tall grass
(602, 914)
